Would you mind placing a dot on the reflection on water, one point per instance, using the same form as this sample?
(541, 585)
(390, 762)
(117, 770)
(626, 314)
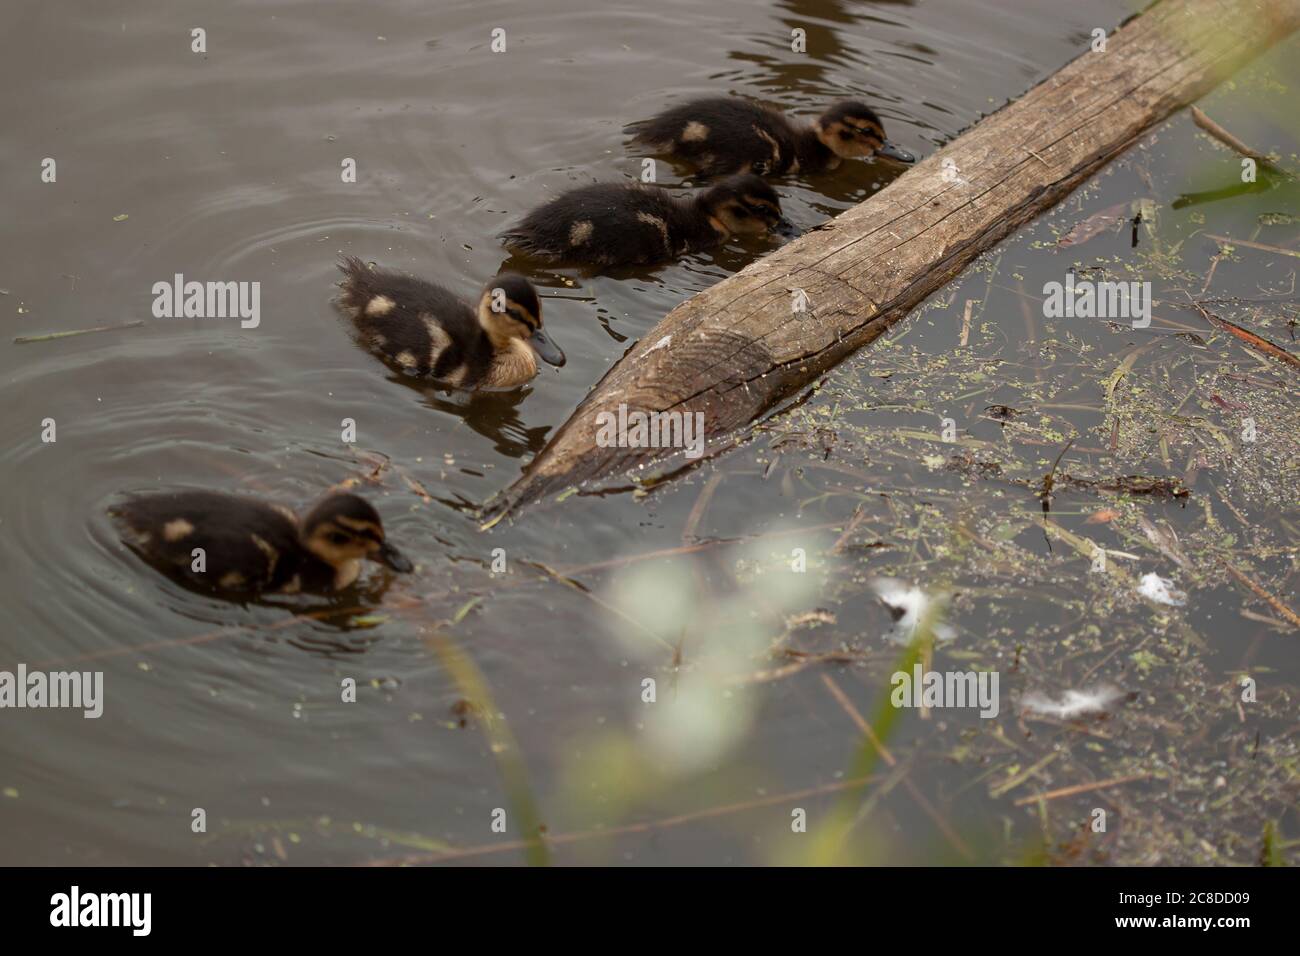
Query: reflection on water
(226, 167)
(494, 415)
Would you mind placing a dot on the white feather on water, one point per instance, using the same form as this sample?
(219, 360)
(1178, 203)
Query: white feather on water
(908, 604)
(1155, 588)
(1073, 703)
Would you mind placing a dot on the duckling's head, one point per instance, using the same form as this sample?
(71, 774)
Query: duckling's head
(509, 309)
(343, 530)
(852, 130)
(745, 204)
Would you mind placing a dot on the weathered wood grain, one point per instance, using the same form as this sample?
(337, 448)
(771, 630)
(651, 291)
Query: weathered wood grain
(737, 350)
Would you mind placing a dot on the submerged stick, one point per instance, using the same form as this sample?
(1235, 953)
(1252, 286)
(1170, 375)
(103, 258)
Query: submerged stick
(609, 833)
(51, 336)
(1261, 246)
(1227, 139)
(743, 347)
(935, 816)
(1081, 788)
(1275, 603)
(1257, 342)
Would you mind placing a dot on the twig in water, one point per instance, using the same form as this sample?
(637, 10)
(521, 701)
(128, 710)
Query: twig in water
(858, 515)
(1257, 342)
(28, 339)
(1045, 496)
(701, 505)
(1081, 788)
(606, 833)
(951, 835)
(1223, 136)
(1272, 601)
(1264, 247)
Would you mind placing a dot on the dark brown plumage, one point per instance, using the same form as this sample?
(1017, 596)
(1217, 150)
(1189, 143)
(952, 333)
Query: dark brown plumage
(613, 224)
(249, 547)
(720, 135)
(424, 329)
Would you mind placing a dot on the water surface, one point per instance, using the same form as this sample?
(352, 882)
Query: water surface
(226, 166)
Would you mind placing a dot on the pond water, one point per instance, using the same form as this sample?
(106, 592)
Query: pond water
(225, 165)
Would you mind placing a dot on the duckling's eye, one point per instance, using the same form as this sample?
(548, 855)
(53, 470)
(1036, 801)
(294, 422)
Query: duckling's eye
(519, 317)
(337, 537)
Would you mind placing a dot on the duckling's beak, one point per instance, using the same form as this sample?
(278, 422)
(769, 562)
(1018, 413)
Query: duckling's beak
(784, 227)
(391, 557)
(545, 348)
(894, 152)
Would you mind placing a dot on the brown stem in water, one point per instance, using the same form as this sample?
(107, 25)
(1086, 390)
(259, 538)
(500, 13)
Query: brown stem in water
(1223, 136)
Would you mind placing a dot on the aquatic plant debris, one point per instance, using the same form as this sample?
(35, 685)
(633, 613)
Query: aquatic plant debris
(1109, 218)
(1194, 490)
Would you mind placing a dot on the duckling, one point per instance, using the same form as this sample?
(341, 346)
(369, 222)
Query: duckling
(252, 548)
(424, 329)
(611, 224)
(719, 135)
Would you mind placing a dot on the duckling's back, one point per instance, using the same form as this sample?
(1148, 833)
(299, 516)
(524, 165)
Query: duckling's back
(609, 224)
(420, 327)
(721, 135)
(248, 546)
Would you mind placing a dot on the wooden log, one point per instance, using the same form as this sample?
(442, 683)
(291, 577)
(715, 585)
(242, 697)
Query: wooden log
(738, 349)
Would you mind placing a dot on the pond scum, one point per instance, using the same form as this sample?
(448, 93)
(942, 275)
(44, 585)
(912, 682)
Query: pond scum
(987, 454)
(1203, 780)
